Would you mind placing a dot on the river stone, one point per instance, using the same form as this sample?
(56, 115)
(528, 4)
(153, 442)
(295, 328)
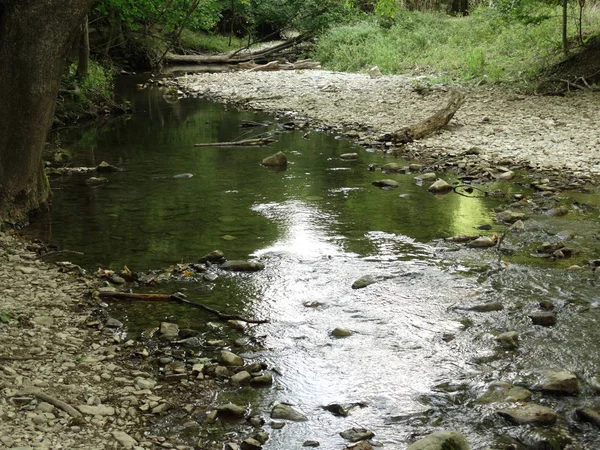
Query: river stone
(589, 415)
(311, 444)
(427, 177)
(482, 242)
(506, 176)
(261, 436)
(97, 410)
(169, 330)
(266, 379)
(560, 383)
(440, 187)
(546, 438)
(216, 256)
(241, 378)
(517, 227)
(502, 392)
(349, 156)
(415, 167)
(113, 323)
(393, 168)
(543, 318)
(559, 211)
(242, 266)
(96, 181)
(508, 340)
(486, 307)
(45, 321)
(277, 160)
(144, 383)
(250, 444)
(282, 411)
(510, 216)
(230, 409)
(106, 167)
(230, 359)
(441, 440)
(124, 439)
(182, 176)
(529, 414)
(386, 183)
(357, 434)
(363, 282)
(341, 332)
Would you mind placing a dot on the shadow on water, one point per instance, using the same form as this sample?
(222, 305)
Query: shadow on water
(318, 226)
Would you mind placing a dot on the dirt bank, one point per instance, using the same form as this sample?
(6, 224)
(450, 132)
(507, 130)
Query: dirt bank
(534, 132)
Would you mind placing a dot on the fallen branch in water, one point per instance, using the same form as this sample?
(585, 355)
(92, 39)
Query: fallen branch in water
(179, 299)
(242, 143)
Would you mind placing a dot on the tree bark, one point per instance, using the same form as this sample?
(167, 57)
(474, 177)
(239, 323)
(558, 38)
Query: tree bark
(34, 40)
(83, 64)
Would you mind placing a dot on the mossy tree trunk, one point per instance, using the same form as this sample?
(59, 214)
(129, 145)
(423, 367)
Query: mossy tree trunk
(34, 39)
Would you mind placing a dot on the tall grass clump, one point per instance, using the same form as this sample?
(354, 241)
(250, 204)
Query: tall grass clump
(482, 45)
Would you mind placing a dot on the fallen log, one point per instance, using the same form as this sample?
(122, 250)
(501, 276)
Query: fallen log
(276, 65)
(242, 143)
(179, 299)
(54, 401)
(433, 123)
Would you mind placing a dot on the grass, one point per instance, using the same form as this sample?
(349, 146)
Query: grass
(480, 46)
(209, 43)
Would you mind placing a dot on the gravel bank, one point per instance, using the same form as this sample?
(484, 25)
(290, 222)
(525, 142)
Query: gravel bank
(536, 132)
(63, 382)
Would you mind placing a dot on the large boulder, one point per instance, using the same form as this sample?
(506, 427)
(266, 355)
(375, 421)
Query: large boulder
(277, 160)
(440, 187)
(286, 412)
(529, 414)
(441, 440)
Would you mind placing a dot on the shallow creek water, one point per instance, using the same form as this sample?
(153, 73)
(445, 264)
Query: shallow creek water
(318, 226)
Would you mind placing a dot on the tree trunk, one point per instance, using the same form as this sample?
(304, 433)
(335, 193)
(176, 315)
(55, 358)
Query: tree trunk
(34, 40)
(83, 64)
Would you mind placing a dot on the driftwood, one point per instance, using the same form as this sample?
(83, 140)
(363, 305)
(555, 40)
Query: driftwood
(179, 299)
(433, 123)
(54, 401)
(234, 57)
(243, 143)
(276, 65)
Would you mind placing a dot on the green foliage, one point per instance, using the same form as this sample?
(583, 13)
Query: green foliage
(84, 98)
(208, 43)
(481, 45)
(7, 317)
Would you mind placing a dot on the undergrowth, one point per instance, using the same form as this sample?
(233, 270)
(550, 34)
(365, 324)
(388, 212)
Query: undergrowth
(483, 45)
(208, 43)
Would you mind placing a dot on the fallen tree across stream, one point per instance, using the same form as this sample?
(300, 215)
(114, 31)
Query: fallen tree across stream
(179, 299)
(243, 143)
(433, 123)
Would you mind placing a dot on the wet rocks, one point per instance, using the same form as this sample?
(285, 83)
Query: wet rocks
(242, 266)
(543, 318)
(286, 412)
(106, 167)
(441, 440)
(341, 332)
(483, 242)
(510, 216)
(502, 392)
(349, 156)
(96, 181)
(591, 415)
(231, 409)
(561, 382)
(169, 330)
(386, 183)
(508, 340)
(279, 159)
(530, 414)
(364, 281)
(440, 187)
(214, 257)
(231, 359)
(357, 434)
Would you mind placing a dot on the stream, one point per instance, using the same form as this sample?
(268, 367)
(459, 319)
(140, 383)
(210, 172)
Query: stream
(415, 362)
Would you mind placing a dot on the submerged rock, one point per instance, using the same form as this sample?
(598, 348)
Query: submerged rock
(242, 266)
(393, 168)
(349, 156)
(508, 340)
(502, 392)
(387, 183)
(441, 440)
(590, 415)
(341, 332)
(106, 167)
(277, 160)
(543, 318)
(216, 256)
(530, 414)
(96, 181)
(231, 409)
(483, 242)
